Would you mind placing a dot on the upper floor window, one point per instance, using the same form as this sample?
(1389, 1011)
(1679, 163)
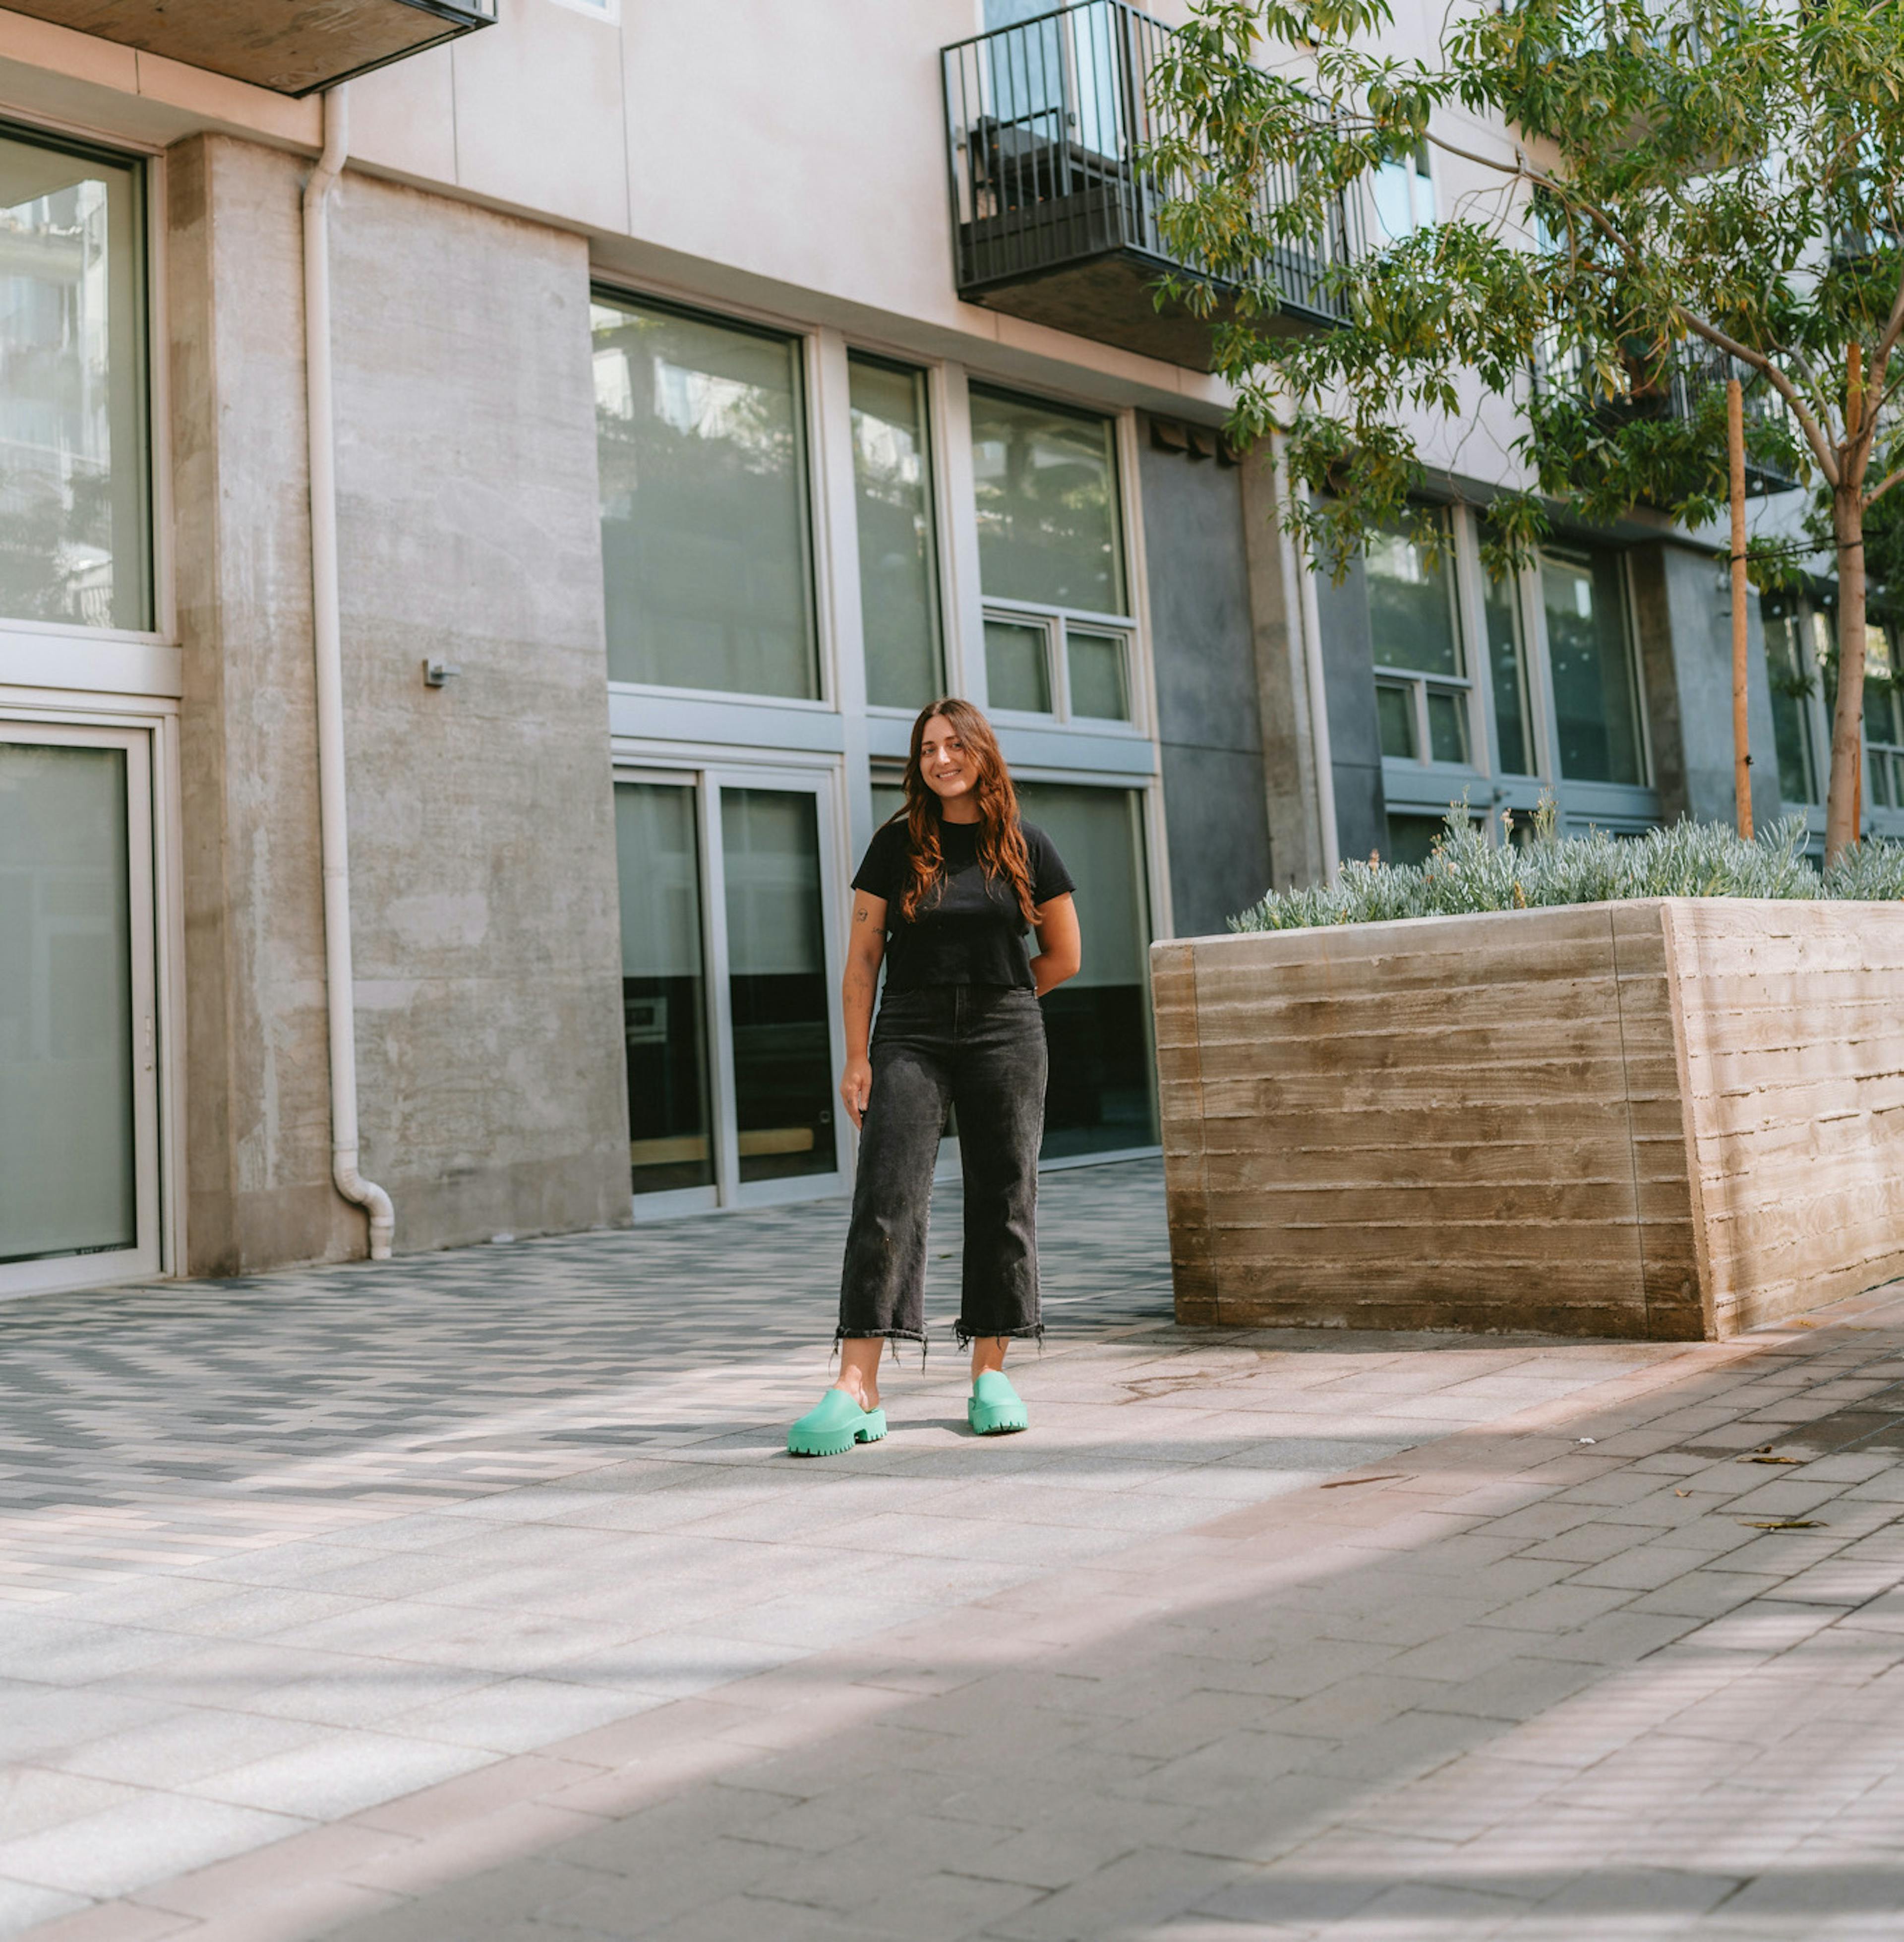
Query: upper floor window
(1403, 190)
(76, 520)
(1793, 682)
(705, 535)
(1050, 557)
(1883, 714)
(898, 562)
(1590, 662)
(1422, 688)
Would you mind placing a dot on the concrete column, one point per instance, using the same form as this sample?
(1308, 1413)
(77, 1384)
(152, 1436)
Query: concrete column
(1682, 608)
(484, 890)
(1289, 780)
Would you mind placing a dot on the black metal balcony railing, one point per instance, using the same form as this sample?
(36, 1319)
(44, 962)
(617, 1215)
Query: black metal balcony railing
(291, 49)
(1696, 368)
(1054, 220)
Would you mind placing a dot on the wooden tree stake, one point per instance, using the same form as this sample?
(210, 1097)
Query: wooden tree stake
(1741, 732)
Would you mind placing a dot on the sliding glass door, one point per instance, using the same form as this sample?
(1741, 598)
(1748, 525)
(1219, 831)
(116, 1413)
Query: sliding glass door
(79, 1054)
(728, 986)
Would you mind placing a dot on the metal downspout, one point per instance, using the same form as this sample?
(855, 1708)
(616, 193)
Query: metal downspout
(333, 820)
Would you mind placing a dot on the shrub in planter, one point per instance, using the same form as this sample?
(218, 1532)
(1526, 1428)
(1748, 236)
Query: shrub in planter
(1686, 859)
(1648, 1088)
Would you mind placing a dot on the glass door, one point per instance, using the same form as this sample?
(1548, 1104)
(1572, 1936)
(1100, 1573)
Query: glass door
(729, 979)
(79, 1195)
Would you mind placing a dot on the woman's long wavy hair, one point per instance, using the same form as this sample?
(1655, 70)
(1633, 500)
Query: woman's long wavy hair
(1001, 840)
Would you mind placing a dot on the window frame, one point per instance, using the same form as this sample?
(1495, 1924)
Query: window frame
(154, 929)
(821, 594)
(709, 771)
(938, 487)
(69, 655)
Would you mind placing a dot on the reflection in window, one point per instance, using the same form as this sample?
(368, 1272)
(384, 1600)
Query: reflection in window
(1884, 717)
(74, 518)
(1595, 710)
(664, 987)
(1412, 615)
(1018, 671)
(1791, 685)
(1404, 194)
(67, 1170)
(708, 573)
(776, 963)
(898, 572)
(1096, 663)
(1046, 482)
(1507, 664)
(1099, 1095)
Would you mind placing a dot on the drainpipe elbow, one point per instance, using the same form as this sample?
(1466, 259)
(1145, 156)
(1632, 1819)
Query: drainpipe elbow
(371, 1198)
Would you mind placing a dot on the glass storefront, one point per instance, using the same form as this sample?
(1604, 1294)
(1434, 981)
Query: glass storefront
(1102, 1093)
(726, 988)
(664, 987)
(69, 1080)
(777, 983)
(706, 555)
(74, 474)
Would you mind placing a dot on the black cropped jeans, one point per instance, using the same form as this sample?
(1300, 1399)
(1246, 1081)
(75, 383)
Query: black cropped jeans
(980, 1047)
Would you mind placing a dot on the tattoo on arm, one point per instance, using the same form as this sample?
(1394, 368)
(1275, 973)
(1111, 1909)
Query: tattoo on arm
(859, 917)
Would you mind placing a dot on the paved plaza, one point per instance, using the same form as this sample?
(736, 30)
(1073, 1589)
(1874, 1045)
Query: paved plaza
(473, 1597)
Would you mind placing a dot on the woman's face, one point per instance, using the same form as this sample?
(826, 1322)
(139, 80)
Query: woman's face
(949, 767)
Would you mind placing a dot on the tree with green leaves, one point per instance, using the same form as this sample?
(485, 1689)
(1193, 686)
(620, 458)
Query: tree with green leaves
(1684, 190)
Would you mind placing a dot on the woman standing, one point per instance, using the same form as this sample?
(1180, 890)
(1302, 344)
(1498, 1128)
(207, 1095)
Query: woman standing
(945, 895)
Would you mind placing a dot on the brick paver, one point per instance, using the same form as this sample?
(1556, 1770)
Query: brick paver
(473, 1597)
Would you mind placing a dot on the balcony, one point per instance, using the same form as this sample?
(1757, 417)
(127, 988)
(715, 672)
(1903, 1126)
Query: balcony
(1695, 368)
(293, 49)
(1054, 220)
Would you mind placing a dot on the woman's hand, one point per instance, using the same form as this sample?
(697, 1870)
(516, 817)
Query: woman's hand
(856, 1088)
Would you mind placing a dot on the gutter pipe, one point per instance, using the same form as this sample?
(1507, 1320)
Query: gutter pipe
(332, 816)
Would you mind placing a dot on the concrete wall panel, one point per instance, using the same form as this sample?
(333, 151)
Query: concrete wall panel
(482, 836)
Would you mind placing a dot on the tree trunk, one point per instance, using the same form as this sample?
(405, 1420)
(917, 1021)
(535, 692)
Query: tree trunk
(1741, 732)
(1842, 807)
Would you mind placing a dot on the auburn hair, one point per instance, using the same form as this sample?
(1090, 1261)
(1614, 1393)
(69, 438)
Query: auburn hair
(1001, 837)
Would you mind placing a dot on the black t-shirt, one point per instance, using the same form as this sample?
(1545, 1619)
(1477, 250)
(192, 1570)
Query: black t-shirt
(969, 930)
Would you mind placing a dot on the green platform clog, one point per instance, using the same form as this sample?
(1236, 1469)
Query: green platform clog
(995, 1409)
(834, 1425)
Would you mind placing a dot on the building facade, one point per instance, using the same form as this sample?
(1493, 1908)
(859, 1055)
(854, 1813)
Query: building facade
(708, 392)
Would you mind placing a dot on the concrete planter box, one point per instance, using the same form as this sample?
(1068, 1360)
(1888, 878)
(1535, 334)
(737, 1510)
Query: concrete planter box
(1673, 1118)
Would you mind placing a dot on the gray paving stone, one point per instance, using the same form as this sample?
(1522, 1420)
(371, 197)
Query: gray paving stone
(293, 1545)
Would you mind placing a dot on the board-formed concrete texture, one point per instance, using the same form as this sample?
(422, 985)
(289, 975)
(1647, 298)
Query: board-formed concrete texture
(1671, 1118)
(483, 890)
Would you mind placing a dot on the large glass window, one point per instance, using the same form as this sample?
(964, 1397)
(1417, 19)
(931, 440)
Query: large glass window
(1883, 716)
(1101, 1095)
(777, 984)
(1421, 691)
(1046, 483)
(664, 987)
(898, 568)
(74, 501)
(704, 533)
(1792, 683)
(1507, 666)
(1596, 706)
(68, 1160)
(725, 994)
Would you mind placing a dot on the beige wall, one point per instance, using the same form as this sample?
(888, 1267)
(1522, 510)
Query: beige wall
(484, 898)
